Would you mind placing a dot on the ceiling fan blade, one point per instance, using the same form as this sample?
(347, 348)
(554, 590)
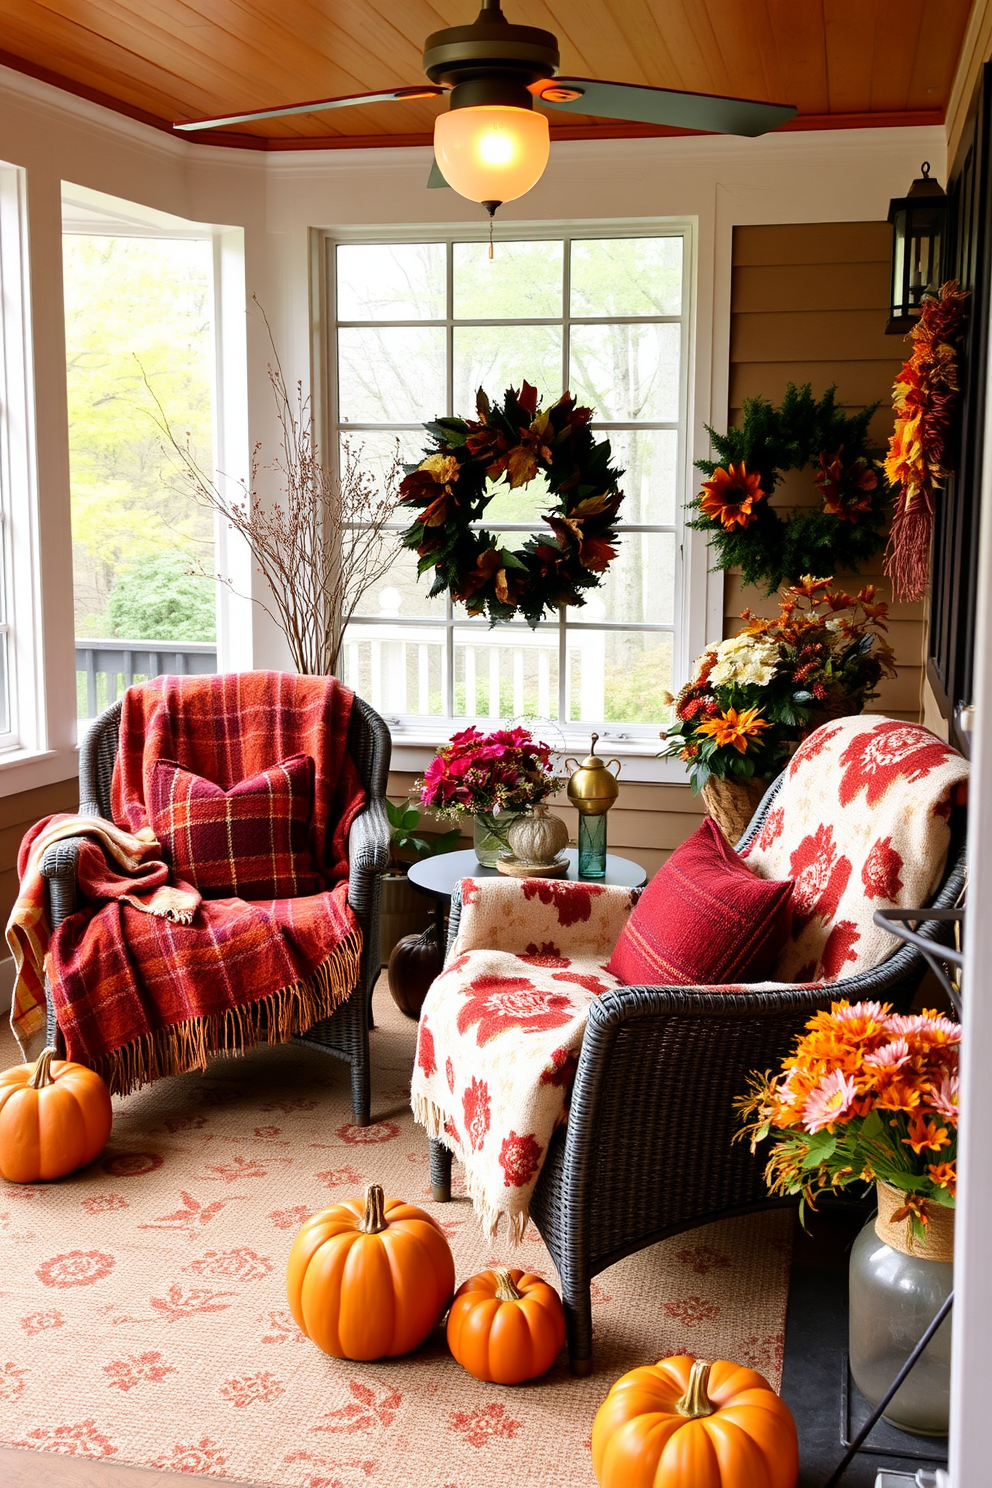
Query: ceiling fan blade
(705, 111)
(435, 179)
(391, 95)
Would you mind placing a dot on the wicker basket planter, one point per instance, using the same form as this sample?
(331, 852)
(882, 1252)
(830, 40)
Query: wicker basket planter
(732, 803)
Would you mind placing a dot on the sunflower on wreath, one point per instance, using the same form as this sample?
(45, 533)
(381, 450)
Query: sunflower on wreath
(512, 443)
(770, 547)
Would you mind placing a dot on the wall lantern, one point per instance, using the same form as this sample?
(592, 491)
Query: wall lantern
(919, 247)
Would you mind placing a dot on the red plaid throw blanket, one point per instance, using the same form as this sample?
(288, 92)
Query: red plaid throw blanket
(138, 996)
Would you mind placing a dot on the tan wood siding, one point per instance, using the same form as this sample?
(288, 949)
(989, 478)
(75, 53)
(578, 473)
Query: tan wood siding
(809, 304)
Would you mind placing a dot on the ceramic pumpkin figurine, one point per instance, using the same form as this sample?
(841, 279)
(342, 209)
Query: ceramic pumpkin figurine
(506, 1326)
(682, 1423)
(54, 1117)
(369, 1278)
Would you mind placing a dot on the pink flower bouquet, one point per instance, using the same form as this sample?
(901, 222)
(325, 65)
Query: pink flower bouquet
(480, 775)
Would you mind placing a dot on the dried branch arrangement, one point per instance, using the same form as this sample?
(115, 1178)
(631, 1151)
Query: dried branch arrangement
(320, 548)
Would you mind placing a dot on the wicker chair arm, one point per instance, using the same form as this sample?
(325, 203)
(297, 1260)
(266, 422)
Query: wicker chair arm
(60, 866)
(368, 852)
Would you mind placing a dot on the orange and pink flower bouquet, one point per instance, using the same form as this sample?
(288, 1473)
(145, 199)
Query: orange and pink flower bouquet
(869, 1095)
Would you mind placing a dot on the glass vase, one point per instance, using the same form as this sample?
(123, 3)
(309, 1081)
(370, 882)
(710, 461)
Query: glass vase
(489, 835)
(592, 846)
(895, 1292)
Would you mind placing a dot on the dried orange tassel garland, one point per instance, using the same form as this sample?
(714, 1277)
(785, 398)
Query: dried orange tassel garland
(923, 397)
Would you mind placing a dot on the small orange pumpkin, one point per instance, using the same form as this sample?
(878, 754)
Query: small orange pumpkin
(54, 1117)
(369, 1278)
(506, 1326)
(682, 1423)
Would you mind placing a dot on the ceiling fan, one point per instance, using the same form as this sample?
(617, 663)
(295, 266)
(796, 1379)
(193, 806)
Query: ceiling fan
(491, 145)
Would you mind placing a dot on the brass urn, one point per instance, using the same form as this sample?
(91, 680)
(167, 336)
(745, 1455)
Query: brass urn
(593, 787)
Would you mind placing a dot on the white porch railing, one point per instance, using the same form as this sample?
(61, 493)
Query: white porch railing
(402, 668)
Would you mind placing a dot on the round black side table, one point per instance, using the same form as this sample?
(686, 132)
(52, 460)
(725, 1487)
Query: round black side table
(436, 877)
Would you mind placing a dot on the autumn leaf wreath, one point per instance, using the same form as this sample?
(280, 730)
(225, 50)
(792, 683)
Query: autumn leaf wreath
(510, 444)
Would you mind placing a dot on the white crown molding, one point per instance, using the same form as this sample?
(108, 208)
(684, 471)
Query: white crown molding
(48, 97)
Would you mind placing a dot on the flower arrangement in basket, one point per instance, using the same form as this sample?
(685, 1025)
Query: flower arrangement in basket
(868, 1096)
(752, 699)
(483, 775)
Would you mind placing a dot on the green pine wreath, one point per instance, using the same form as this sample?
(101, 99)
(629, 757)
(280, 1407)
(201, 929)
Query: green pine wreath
(772, 548)
(514, 442)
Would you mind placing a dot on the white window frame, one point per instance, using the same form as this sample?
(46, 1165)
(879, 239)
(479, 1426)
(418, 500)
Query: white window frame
(691, 592)
(20, 618)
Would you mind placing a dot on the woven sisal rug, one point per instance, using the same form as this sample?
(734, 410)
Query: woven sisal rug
(143, 1316)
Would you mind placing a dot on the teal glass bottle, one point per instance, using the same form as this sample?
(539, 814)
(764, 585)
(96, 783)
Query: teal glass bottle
(592, 846)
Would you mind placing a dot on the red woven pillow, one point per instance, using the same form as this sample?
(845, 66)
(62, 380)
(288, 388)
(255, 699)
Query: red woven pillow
(249, 842)
(704, 919)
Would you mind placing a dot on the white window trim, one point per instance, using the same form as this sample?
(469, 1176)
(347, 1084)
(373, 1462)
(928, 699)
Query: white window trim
(698, 591)
(26, 739)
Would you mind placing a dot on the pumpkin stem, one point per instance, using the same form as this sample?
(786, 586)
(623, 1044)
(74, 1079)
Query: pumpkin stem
(42, 1076)
(374, 1218)
(696, 1402)
(505, 1289)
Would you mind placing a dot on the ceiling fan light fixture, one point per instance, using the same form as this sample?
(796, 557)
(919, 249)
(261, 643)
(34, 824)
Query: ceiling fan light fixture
(492, 154)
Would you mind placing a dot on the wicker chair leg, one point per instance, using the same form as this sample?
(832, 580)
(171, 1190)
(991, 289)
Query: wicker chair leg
(440, 1172)
(577, 1302)
(361, 1092)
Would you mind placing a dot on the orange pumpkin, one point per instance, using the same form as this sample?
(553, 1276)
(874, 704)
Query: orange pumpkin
(506, 1326)
(54, 1117)
(369, 1278)
(682, 1423)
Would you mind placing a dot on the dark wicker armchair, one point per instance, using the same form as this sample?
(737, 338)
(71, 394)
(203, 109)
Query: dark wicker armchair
(649, 1146)
(345, 1034)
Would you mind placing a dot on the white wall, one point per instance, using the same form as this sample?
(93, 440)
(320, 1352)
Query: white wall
(272, 201)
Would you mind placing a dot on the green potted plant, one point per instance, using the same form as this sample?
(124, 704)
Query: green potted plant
(403, 911)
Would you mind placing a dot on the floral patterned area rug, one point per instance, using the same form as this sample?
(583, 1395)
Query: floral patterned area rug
(143, 1314)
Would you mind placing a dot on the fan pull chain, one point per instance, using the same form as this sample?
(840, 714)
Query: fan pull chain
(490, 238)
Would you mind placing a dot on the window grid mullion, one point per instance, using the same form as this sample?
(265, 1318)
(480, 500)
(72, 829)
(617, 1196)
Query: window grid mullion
(449, 292)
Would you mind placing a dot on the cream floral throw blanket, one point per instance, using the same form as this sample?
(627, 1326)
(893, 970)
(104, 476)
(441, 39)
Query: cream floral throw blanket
(861, 822)
(502, 1026)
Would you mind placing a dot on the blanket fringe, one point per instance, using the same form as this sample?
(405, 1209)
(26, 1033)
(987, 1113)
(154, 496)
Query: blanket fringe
(433, 1119)
(183, 1047)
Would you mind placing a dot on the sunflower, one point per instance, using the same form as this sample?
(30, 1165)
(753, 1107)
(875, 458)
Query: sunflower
(735, 728)
(730, 496)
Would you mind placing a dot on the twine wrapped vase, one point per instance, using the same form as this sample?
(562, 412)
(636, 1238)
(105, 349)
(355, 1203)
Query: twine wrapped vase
(897, 1285)
(732, 803)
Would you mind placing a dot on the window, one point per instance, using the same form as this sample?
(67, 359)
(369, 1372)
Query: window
(419, 326)
(139, 328)
(21, 691)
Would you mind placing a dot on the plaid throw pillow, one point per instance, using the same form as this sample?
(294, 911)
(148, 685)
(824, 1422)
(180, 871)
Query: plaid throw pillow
(249, 842)
(704, 919)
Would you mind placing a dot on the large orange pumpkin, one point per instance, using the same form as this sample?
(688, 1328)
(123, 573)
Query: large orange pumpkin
(369, 1278)
(506, 1326)
(54, 1117)
(682, 1423)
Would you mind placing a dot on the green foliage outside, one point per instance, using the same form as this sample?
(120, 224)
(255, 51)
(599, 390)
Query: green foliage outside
(136, 305)
(158, 599)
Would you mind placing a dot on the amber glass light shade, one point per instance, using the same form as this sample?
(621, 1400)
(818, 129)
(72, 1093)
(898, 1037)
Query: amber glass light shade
(491, 154)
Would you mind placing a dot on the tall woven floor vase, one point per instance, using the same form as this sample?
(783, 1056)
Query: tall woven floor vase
(897, 1286)
(732, 803)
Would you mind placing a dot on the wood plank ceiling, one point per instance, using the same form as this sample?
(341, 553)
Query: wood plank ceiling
(843, 62)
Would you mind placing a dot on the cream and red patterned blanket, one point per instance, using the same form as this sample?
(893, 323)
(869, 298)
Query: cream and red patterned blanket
(860, 823)
(502, 1026)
